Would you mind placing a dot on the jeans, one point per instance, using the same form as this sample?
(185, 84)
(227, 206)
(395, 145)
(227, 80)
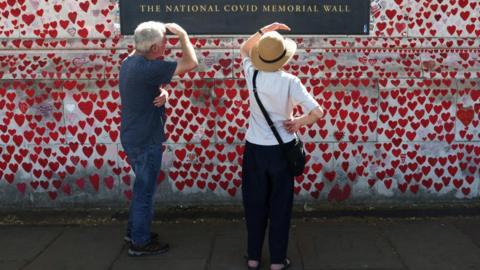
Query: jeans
(267, 191)
(146, 162)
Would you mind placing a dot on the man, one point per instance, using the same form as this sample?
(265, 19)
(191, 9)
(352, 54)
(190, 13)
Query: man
(143, 119)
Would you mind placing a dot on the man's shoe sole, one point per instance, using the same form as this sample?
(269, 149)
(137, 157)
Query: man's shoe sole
(128, 240)
(134, 253)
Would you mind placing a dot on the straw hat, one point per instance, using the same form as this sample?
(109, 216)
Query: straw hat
(272, 51)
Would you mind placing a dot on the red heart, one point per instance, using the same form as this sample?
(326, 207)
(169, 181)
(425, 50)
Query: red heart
(100, 27)
(86, 107)
(28, 18)
(330, 63)
(21, 187)
(84, 5)
(128, 194)
(95, 181)
(52, 195)
(465, 115)
(72, 16)
(466, 191)
(109, 181)
(83, 32)
(181, 153)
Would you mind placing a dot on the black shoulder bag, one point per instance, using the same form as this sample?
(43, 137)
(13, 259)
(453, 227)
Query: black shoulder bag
(294, 152)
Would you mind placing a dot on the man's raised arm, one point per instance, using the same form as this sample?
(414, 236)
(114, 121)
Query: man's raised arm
(189, 59)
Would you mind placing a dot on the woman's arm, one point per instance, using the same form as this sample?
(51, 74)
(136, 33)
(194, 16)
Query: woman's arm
(293, 125)
(253, 39)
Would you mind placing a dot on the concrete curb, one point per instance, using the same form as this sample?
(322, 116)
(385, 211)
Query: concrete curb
(172, 214)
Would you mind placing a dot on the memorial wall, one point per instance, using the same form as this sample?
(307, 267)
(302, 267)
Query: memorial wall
(401, 95)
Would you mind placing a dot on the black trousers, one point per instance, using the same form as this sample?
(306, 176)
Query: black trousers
(267, 191)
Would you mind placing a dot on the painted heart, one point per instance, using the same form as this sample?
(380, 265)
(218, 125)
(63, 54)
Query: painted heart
(465, 115)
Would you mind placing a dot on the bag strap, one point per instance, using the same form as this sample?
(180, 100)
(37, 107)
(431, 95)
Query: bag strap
(262, 108)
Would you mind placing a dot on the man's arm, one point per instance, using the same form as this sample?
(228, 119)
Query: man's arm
(253, 39)
(189, 58)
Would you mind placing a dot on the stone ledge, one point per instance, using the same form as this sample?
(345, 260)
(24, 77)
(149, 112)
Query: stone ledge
(204, 213)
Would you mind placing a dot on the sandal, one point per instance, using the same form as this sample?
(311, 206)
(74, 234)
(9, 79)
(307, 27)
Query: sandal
(251, 267)
(286, 264)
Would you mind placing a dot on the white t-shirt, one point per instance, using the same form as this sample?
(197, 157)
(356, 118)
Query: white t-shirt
(280, 92)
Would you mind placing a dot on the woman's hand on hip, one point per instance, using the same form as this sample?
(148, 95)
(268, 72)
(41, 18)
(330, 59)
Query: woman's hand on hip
(292, 125)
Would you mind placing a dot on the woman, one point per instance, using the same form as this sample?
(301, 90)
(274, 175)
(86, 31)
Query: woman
(267, 180)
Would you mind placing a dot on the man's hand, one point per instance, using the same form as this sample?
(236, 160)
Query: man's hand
(189, 60)
(176, 29)
(274, 27)
(161, 99)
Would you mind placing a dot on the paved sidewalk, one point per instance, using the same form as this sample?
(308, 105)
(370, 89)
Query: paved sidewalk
(437, 244)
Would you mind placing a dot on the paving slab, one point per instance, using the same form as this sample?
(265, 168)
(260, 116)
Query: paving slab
(82, 248)
(429, 244)
(11, 265)
(176, 264)
(228, 251)
(190, 247)
(471, 228)
(23, 243)
(345, 246)
(191, 241)
(230, 248)
(433, 246)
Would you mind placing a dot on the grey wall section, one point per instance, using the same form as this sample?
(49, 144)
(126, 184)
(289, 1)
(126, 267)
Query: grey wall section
(401, 125)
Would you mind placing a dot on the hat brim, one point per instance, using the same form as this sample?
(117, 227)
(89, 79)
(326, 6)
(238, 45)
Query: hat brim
(290, 47)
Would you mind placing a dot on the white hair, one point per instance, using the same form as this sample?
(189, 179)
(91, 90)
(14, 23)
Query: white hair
(148, 33)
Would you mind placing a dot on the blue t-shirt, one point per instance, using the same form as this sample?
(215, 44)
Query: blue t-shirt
(140, 79)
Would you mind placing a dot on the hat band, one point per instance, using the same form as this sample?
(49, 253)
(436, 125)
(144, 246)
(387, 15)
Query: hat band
(274, 60)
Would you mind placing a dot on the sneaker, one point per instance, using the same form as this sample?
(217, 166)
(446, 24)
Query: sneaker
(152, 248)
(286, 264)
(128, 239)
